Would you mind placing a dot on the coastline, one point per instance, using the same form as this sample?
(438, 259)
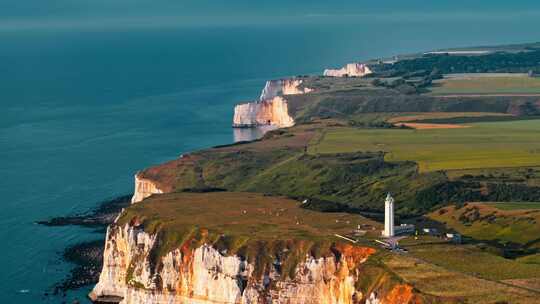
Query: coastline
(86, 253)
(86, 257)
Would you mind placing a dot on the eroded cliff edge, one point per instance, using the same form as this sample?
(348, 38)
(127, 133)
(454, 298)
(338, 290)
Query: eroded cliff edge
(286, 86)
(272, 107)
(267, 112)
(143, 189)
(158, 252)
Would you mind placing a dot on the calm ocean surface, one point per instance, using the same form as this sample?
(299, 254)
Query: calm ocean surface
(83, 110)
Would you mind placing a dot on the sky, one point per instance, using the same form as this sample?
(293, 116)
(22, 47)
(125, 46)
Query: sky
(29, 14)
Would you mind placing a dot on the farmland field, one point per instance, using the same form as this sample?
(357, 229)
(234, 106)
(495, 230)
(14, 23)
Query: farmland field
(482, 145)
(487, 85)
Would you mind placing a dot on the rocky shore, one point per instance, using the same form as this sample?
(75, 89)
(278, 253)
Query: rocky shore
(102, 216)
(86, 256)
(88, 260)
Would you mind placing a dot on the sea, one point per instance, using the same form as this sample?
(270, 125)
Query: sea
(84, 108)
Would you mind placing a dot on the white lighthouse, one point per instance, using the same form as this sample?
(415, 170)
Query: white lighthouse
(388, 216)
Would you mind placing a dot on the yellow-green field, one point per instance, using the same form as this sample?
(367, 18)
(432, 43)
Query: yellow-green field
(480, 145)
(488, 85)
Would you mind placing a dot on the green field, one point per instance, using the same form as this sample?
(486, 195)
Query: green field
(487, 85)
(482, 145)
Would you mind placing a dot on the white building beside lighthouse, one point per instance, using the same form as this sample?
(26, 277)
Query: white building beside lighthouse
(388, 216)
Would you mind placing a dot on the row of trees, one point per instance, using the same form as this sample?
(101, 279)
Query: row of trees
(521, 62)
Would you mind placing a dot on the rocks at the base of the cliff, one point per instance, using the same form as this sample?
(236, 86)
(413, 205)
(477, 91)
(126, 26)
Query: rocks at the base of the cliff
(98, 218)
(349, 70)
(88, 260)
(87, 257)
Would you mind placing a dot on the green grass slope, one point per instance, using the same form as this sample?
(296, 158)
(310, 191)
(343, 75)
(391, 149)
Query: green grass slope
(488, 222)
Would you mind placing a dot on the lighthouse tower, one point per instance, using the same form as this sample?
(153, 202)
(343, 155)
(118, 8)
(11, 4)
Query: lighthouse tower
(388, 216)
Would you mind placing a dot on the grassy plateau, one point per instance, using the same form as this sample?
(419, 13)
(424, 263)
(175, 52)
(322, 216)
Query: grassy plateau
(479, 145)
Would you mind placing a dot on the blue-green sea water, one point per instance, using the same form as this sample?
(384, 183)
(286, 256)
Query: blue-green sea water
(84, 107)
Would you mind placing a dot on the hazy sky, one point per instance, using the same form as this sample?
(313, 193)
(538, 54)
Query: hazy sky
(43, 13)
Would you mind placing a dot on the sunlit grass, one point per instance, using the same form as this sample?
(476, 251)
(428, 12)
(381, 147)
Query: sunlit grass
(483, 145)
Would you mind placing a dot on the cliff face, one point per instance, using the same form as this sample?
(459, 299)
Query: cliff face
(204, 275)
(272, 108)
(351, 69)
(267, 112)
(143, 189)
(280, 87)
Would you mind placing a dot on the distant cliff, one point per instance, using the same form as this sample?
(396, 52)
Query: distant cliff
(267, 112)
(351, 69)
(282, 87)
(272, 107)
(203, 275)
(143, 189)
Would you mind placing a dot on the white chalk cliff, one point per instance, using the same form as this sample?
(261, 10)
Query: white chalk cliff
(143, 189)
(280, 87)
(272, 107)
(203, 276)
(351, 69)
(273, 111)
